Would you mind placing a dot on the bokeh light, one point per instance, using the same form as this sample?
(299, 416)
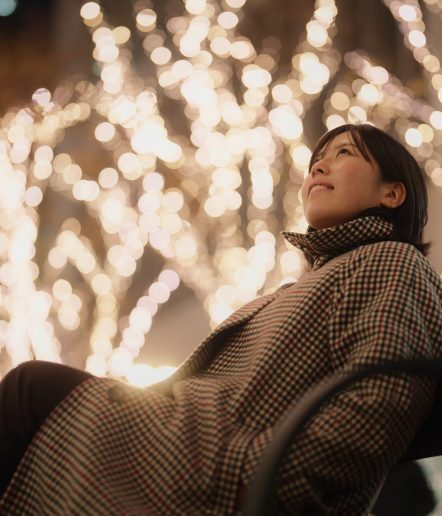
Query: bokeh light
(207, 196)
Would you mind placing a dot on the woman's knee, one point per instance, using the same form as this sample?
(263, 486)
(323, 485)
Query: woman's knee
(35, 375)
(19, 370)
(31, 390)
(9, 386)
(27, 371)
(26, 378)
(12, 402)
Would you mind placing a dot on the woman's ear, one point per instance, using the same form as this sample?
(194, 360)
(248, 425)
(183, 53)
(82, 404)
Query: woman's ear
(394, 195)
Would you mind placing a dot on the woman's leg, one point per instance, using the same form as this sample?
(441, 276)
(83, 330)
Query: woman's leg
(28, 394)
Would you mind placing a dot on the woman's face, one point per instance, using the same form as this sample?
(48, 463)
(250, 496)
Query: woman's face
(354, 184)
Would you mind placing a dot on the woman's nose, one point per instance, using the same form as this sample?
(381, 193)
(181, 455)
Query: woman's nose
(318, 168)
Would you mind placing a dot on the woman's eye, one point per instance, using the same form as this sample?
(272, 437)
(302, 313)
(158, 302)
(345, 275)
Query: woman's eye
(343, 150)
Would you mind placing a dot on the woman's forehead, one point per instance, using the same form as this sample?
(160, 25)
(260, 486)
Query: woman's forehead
(340, 139)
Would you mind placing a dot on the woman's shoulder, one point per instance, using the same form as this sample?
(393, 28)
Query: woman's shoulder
(392, 249)
(397, 258)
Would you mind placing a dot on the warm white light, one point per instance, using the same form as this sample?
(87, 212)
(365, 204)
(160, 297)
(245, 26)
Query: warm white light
(290, 261)
(121, 34)
(357, 114)
(417, 38)
(407, 12)
(108, 177)
(301, 155)
(340, 101)
(316, 34)
(241, 49)
(62, 290)
(143, 375)
(96, 365)
(173, 200)
(146, 19)
(326, 12)
(141, 318)
(104, 132)
(286, 122)
(413, 137)
(255, 77)
(378, 75)
(220, 46)
(42, 169)
(161, 55)
(120, 362)
(84, 190)
(369, 94)
(426, 132)
(235, 4)
(195, 6)
(159, 238)
(57, 258)
(436, 119)
(228, 20)
(33, 196)
(334, 121)
(170, 279)
(436, 176)
(101, 283)
(90, 10)
(140, 375)
(42, 97)
(159, 292)
(282, 93)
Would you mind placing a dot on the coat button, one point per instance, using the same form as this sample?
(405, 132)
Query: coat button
(117, 393)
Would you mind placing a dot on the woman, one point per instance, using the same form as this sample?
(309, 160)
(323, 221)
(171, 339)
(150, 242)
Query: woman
(191, 444)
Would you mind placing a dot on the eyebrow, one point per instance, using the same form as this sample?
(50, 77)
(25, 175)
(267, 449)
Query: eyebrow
(337, 147)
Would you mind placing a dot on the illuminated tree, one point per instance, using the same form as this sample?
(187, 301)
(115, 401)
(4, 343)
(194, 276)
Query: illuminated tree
(203, 164)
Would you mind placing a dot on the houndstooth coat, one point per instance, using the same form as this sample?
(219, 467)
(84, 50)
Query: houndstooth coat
(188, 444)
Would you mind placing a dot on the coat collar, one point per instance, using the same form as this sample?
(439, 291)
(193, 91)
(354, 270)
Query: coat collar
(323, 244)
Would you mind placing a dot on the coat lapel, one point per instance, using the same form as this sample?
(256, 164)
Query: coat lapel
(202, 356)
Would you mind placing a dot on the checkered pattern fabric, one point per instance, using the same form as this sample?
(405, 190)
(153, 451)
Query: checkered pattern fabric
(186, 445)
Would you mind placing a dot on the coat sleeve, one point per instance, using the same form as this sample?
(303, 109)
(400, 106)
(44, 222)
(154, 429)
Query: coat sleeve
(390, 307)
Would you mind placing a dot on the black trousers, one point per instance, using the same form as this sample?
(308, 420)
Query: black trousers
(28, 394)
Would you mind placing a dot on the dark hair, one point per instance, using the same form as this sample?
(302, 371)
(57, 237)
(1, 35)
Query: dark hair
(395, 164)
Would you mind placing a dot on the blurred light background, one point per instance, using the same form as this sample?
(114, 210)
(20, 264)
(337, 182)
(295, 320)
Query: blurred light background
(152, 151)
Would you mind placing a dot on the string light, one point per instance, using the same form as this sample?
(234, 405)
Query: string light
(411, 24)
(170, 193)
